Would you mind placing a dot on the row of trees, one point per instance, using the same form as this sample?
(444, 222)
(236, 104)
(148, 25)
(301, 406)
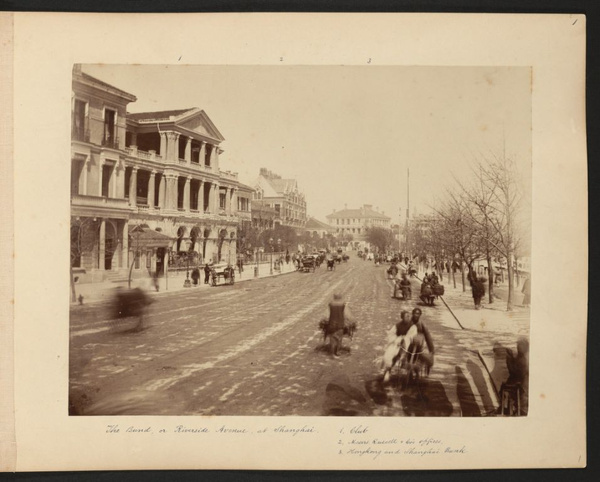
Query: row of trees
(479, 218)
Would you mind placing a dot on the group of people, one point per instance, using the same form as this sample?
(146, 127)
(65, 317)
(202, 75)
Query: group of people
(428, 288)
(406, 340)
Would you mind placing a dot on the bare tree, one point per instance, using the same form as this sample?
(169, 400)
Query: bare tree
(497, 200)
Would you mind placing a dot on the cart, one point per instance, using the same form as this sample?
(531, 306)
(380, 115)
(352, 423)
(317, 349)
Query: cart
(308, 263)
(222, 275)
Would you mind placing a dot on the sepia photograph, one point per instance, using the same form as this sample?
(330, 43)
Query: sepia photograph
(320, 240)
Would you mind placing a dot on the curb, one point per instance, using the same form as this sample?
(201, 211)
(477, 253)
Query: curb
(73, 305)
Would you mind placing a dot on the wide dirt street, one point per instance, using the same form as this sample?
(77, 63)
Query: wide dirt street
(254, 349)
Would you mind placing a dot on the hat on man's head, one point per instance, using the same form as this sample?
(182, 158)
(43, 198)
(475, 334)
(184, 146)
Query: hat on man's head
(417, 310)
(337, 296)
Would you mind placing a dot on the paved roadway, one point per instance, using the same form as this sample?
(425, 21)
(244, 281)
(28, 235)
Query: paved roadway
(254, 349)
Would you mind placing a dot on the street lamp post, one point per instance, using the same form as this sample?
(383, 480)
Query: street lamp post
(187, 283)
(271, 244)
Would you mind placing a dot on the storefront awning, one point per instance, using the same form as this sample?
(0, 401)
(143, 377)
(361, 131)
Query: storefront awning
(146, 238)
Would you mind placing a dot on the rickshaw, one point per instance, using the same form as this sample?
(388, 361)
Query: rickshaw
(222, 274)
(309, 263)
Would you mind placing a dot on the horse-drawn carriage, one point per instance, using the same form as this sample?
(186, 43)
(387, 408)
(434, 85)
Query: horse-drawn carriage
(330, 264)
(308, 263)
(222, 275)
(345, 258)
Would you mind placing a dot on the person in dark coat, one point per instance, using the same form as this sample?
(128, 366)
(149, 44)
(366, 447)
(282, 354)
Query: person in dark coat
(338, 317)
(195, 276)
(426, 292)
(478, 287)
(206, 274)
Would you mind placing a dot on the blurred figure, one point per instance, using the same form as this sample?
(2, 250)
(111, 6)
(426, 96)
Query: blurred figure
(399, 338)
(131, 303)
(518, 372)
(527, 291)
(195, 276)
(478, 288)
(335, 322)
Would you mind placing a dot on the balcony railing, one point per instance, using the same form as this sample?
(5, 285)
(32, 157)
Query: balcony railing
(97, 201)
(110, 142)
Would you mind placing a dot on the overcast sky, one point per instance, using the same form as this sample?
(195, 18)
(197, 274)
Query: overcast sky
(348, 134)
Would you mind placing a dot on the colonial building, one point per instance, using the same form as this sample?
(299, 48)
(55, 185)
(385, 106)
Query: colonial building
(154, 170)
(264, 216)
(282, 195)
(354, 222)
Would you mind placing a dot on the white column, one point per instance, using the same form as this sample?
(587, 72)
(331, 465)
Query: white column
(201, 196)
(100, 173)
(102, 244)
(151, 189)
(202, 154)
(86, 167)
(186, 194)
(216, 207)
(188, 150)
(133, 187)
(163, 145)
(162, 189)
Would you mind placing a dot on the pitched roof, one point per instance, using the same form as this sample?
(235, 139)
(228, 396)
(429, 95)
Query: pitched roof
(158, 115)
(283, 185)
(149, 238)
(82, 76)
(314, 224)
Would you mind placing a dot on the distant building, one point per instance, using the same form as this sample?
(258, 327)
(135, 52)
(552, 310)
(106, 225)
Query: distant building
(314, 227)
(354, 222)
(264, 216)
(282, 195)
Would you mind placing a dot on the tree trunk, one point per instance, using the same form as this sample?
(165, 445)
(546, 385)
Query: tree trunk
(491, 279)
(462, 275)
(509, 302)
(73, 294)
(453, 276)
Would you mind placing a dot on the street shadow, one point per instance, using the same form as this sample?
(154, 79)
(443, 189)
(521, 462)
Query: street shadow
(342, 399)
(479, 379)
(377, 391)
(426, 398)
(466, 397)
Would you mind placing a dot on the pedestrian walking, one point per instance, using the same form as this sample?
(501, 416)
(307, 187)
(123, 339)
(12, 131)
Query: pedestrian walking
(336, 320)
(206, 274)
(478, 288)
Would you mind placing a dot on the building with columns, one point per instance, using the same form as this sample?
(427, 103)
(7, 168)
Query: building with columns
(284, 196)
(354, 222)
(157, 170)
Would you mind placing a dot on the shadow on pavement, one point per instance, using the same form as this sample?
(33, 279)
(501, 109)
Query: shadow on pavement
(466, 397)
(343, 399)
(428, 399)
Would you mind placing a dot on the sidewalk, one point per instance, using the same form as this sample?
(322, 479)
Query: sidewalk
(102, 292)
(490, 331)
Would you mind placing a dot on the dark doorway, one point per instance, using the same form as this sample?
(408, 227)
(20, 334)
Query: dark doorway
(160, 261)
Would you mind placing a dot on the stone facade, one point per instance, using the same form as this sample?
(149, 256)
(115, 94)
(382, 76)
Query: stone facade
(156, 169)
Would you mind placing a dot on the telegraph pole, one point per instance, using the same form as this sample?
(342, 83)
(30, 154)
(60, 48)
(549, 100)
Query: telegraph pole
(407, 211)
